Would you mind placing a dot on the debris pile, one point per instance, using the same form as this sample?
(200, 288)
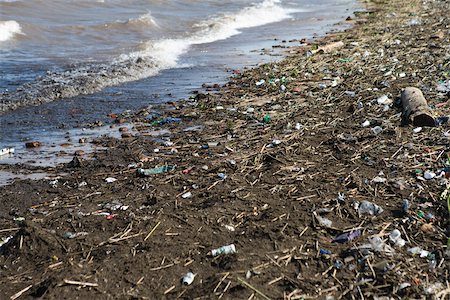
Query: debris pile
(300, 179)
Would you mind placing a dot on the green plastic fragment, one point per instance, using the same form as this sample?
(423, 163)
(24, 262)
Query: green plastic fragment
(420, 214)
(157, 170)
(267, 119)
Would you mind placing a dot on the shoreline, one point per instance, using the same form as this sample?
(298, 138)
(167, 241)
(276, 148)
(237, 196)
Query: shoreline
(261, 164)
(57, 124)
(79, 79)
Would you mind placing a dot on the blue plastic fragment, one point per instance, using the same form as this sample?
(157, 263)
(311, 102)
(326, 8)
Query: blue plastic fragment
(441, 120)
(405, 205)
(347, 237)
(325, 252)
(168, 120)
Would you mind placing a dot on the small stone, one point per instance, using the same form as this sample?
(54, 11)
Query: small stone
(126, 135)
(427, 228)
(365, 124)
(33, 144)
(79, 153)
(74, 163)
(186, 195)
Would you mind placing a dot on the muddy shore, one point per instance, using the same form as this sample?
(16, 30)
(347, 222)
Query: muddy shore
(283, 162)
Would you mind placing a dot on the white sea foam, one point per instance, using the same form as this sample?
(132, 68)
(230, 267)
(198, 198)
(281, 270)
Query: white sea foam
(146, 19)
(154, 56)
(166, 52)
(8, 29)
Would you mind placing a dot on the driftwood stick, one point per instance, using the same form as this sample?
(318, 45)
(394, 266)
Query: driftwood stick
(80, 283)
(248, 285)
(416, 109)
(20, 293)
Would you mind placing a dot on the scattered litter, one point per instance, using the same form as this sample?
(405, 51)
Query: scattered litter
(70, 235)
(443, 86)
(81, 184)
(156, 170)
(396, 237)
(110, 179)
(186, 195)
(168, 120)
(384, 100)
(274, 143)
(377, 130)
(365, 124)
(428, 175)
(347, 237)
(324, 222)
(3, 241)
(405, 205)
(369, 208)
(417, 250)
(377, 244)
(222, 176)
(267, 119)
(329, 47)
(230, 228)
(416, 109)
(188, 278)
(229, 249)
(325, 252)
(6, 151)
(379, 179)
(261, 82)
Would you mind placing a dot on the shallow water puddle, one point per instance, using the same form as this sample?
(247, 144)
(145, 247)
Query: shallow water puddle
(8, 177)
(60, 147)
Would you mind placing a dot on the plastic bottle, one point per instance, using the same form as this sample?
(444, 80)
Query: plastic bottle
(324, 222)
(396, 237)
(229, 249)
(188, 278)
(369, 208)
(377, 130)
(405, 205)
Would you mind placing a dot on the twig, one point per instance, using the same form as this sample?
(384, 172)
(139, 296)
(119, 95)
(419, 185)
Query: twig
(220, 282)
(252, 288)
(111, 240)
(305, 197)
(162, 267)
(150, 233)
(9, 229)
(303, 231)
(20, 293)
(169, 289)
(80, 283)
(275, 280)
(443, 293)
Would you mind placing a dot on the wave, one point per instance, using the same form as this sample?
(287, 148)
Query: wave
(146, 19)
(167, 52)
(142, 22)
(8, 29)
(154, 57)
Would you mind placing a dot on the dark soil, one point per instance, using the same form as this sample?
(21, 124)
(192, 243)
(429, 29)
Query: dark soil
(81, 237)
